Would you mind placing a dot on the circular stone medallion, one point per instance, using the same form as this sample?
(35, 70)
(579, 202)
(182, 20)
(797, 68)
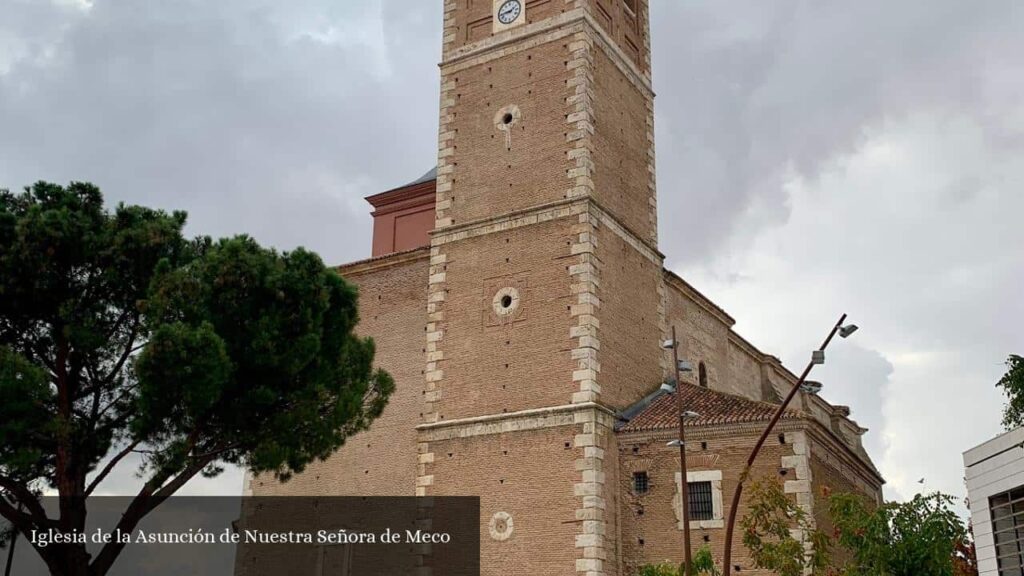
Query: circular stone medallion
(505, 301)
(501, 526)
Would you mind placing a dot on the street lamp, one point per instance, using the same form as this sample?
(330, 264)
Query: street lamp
(809, 387)
(688, 415)
(680, 367)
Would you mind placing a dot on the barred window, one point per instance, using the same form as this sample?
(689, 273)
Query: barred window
(1008, 530)
(701, 502)
(641, 483)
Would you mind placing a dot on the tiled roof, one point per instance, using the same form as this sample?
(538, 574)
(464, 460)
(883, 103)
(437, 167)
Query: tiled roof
(714, 408)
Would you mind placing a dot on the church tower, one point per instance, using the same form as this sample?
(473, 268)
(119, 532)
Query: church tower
(545, 294)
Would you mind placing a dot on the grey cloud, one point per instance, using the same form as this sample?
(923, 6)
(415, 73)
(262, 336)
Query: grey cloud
(857, 377)
(752, 92)
(252, 118)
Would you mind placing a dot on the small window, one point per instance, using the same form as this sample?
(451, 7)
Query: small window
(702, 375)
(701, 503)
(641, 483)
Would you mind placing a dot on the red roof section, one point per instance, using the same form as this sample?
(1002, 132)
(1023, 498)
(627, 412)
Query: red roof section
(714, 408)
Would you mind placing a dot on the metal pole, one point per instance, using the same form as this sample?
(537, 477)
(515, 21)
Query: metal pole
(10, 552)
(727, 560)
(684, 488)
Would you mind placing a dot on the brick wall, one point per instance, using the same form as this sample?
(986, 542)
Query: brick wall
(473, 18)
(652, 517)
(627, 28)
(629, 320)
(543, 485)
(493, 363)
(620, 147)
(745, 370)
(527, 475)
(499, 170)
(470, 22)
(703, 337)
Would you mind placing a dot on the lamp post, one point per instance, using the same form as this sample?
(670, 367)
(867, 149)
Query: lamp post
(684, 492)
(10, 551)
(817, 357)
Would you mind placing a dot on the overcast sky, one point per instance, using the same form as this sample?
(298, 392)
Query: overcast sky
(814, 158)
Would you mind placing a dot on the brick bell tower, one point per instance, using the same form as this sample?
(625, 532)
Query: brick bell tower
(545, 295)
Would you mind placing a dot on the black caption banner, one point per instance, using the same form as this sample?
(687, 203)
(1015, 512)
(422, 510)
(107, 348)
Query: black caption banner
(264, 536)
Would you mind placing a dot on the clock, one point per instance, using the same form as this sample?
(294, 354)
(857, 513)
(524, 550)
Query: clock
(509, 11)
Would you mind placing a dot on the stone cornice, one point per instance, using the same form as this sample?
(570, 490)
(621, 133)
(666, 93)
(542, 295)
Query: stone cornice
(712, 432)
(543, 213)
(754, 429)
(532, 419)
(386, 261)
(405, 197)
(507, 221)
(847, 454)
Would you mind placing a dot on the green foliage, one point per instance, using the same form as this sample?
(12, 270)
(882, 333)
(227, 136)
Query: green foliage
(897, 538)
(259, 347)
(1012, 384)
(663, 569)
(24, 395)
(766, 532)
(965, 557)
(703, 564)
(118, 335)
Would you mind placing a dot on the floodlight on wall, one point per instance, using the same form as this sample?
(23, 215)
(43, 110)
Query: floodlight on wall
(668, 344)
(845, 331)
(677, 443)
(669, 387)
(684, 366)
(811, 387)
(818, 357)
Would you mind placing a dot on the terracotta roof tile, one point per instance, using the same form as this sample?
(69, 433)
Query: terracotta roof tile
(714, 408)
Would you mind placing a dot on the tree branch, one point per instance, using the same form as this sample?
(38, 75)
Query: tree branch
(23, 523)
(110, 466)
(26, 498)
(114, 402)
(126, 354)
(149, 497)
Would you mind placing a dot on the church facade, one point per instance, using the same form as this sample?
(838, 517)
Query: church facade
(518, 296)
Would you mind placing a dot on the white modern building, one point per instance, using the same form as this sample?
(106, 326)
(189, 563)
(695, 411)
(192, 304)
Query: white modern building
(995, 489)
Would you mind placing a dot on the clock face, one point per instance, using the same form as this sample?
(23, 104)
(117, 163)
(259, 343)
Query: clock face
(509, 11)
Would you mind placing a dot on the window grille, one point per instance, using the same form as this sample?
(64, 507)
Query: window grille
(641, 483)
(701, 503)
